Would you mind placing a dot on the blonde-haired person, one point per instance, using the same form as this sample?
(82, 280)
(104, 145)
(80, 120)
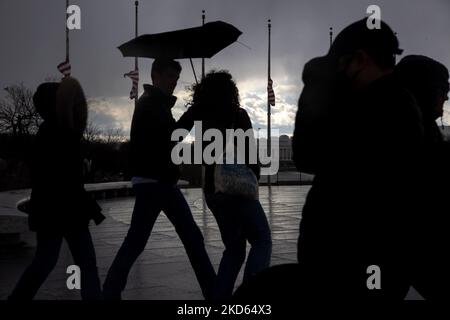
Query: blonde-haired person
(71, 106)
(60, 207)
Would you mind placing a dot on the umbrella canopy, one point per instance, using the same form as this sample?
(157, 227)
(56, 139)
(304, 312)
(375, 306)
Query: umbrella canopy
(199, 42)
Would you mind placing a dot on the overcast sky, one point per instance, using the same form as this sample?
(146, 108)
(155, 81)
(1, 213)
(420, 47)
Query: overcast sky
(32, 35)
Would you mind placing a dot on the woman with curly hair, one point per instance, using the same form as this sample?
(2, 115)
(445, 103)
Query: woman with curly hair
(240, 218)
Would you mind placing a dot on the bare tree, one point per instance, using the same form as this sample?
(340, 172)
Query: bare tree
(113, 135)
(92, 133)
(52, 78)
(17, 113)
(95, 133)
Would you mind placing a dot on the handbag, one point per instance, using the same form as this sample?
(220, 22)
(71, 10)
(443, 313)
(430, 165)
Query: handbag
(235, 179)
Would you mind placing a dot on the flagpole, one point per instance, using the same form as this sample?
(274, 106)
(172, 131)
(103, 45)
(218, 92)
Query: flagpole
(136, 4)
(203, 59)
(395, 56)
(202, 172)
(67, 32)
(331, 36)
(269, 142)
(64, 67)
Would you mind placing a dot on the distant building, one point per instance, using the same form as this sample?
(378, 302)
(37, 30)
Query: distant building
(285, 144)
(285, 151)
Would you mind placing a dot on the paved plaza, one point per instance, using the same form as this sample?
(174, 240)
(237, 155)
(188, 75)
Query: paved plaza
(163, 271)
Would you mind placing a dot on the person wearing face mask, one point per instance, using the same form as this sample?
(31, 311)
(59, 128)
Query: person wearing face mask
(359, 132)
(428, 81)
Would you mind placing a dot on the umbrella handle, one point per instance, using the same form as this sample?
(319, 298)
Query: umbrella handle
(193, 70)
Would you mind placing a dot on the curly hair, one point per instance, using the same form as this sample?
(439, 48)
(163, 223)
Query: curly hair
(217, 94)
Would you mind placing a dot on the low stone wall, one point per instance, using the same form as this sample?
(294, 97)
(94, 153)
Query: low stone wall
(14, 204)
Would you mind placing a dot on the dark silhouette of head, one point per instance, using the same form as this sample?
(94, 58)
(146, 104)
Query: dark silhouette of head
(165, 74)
(63, 104)
(44, 100)
(428, 81)
(364, 55)
(217, 93)
(71, 106)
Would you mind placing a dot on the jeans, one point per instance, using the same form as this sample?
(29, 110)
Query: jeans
(47, 252)
(151, 199)
(239, 220)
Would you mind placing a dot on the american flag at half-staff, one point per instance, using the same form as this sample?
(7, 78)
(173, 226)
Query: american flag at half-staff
(65, 68)
(270, 93)
(134, 76)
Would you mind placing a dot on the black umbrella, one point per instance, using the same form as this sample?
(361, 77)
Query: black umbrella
(200, 42)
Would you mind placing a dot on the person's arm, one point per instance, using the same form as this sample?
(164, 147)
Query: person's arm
(187, 119)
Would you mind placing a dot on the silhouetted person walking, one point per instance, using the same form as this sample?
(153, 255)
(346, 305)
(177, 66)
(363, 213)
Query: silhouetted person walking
(240, 219)
(354, 222)
(60, 207)
(154, 182)
(428, 81)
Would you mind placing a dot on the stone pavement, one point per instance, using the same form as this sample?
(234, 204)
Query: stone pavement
(163, 271)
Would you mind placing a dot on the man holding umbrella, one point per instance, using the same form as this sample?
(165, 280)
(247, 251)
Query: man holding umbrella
(154, 182)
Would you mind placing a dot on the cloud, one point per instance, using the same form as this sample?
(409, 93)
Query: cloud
(254, 100)
(117, 112)
(111, 112)
(300, 31)
(446, 116)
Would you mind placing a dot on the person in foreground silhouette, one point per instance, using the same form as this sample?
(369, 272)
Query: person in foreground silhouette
(240, 218)
(154, 181)
(60, 207)
(360, 133)
(428, 81)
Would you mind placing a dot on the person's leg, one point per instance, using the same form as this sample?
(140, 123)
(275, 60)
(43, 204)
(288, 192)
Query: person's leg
(146, 210)
(318, 246)
(225, 209)
(180, 215)
(257, 232)
(430, 265)
(47, 252)
(431, 279)
(83, 253)
(276, 283)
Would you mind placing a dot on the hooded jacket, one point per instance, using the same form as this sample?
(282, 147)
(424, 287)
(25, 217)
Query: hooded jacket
(59, 202)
